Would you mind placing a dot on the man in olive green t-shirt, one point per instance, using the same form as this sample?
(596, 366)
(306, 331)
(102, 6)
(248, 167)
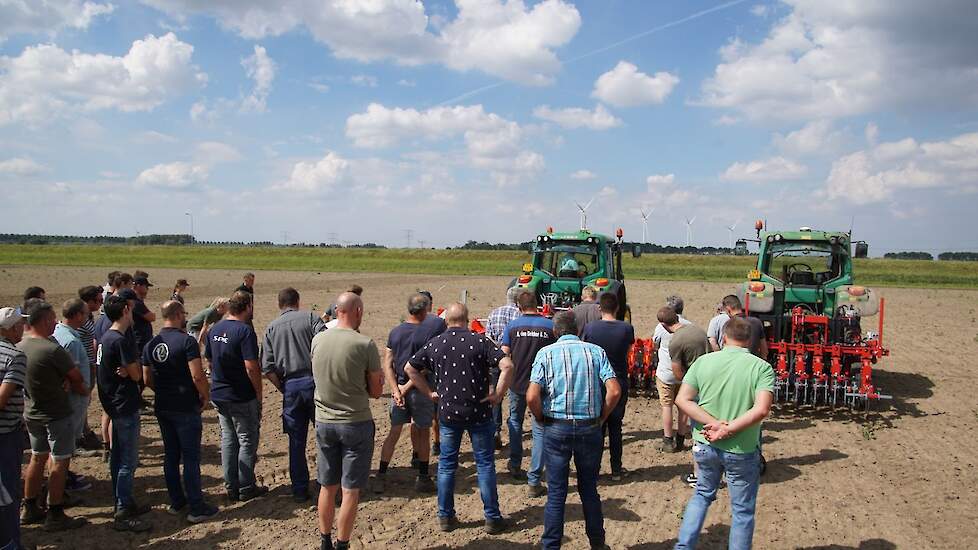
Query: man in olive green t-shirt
(729, 393)
(688, 343)
(346, 370)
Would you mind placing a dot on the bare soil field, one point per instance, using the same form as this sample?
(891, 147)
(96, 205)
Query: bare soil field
(901, 477)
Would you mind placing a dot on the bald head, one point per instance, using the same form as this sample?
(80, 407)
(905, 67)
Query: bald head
(457, 315)
(174, 314)
(349, 310)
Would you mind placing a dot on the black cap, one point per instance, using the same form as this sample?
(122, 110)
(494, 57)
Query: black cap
(142, 281)
(182, 282)
(127, 294)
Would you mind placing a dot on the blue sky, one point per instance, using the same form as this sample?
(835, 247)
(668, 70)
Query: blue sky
(488, 119)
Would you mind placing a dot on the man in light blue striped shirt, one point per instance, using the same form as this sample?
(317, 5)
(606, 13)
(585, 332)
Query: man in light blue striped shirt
(572, 391)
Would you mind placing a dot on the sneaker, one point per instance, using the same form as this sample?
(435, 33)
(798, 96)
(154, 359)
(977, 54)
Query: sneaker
(436, 449)
(232, 496)
(131, 524)
(31, 513)
(536, 491)
(690, 479)
(82, 452)
(176, 510)
(378, 483)
(300, 497)
(447, 524)
(667, 445)
(619, 475)
(77, 483)
(206, 512)
(496, 526)
(252, 492)
(69, 500)
(424, 484)
(59, 521)
(516, 472)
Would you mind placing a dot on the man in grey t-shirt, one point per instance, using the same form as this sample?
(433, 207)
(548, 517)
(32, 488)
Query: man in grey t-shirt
(588, 310)
(665, 381)
(346, 369)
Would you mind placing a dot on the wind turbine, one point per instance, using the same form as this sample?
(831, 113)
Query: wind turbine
(583, 210)
(730, 229)
(645, 224)
(689, 230)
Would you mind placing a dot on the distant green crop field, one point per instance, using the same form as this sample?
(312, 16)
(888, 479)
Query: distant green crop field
(879, 272)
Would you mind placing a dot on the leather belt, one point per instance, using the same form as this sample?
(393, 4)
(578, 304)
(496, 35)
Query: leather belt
(582, 423)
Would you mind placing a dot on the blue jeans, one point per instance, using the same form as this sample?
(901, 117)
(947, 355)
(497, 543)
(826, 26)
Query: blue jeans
(743, 474)
(181, 433)
(497, 409)
(517, 410)
(124, 457)
(240, 423)
(11, 456)
(298, 411)
(561, 442)
(483, 450)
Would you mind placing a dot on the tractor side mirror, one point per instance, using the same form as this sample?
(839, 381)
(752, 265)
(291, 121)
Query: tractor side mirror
(862, 249)
(636, 251)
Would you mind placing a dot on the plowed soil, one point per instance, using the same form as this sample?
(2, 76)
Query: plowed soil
(899, 477)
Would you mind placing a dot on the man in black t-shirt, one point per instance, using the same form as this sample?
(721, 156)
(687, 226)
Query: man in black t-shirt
(247, 284)
(758, 341)
(119, 376)
(175, 374)
(462, 361)
(408, 405)
(142, 317)
(236, 390)
(614, 337)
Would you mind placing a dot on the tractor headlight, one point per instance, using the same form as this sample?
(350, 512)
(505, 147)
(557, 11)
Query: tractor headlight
(770, 238)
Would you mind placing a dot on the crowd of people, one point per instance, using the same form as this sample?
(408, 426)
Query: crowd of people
(444, 381)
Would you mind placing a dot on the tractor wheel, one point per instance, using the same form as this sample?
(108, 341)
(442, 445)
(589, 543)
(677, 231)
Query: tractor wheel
(627, 317)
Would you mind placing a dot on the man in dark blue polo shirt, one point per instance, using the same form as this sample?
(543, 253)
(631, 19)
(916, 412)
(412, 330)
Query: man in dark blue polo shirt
(175, 374)
(463, 362)
(287, 363)
(523, 338)
(119, 376)
(408, 405)
(436, 323)
(236, 384)
(615, 338)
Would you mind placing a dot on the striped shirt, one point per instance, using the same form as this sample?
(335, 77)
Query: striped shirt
(13, 370)
(498, 319)
(571, 374)
(87, 335)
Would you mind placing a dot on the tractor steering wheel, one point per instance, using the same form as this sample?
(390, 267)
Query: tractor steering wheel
(791, 268)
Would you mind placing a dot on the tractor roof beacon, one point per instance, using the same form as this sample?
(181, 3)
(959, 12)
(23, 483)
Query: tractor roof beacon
(563, 264)
(803, 289)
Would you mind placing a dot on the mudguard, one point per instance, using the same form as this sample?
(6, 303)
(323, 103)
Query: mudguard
(864, 299)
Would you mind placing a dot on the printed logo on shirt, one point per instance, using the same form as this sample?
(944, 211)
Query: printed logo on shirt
(98, 355)
(222, 338)
(161, 353)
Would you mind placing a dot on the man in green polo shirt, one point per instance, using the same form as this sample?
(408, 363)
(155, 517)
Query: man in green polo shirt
(728, 393)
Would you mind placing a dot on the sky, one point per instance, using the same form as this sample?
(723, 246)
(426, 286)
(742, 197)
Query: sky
(349, 121)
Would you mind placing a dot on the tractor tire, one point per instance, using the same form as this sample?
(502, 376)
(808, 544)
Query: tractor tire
(627, 316)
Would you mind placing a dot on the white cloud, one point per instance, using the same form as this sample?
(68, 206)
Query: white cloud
(872, 134)
(768, 170)
(660, 180)
(625, 86)
(364, 80)
(45, 81)
(174, 175)
(504, 38)
(209, 153)
(583, 175)
(576, 117)
(760, 10)
(260, 68)
(151, 137)
(661, 189)
(48, 17)
(20, 166)
(315, 177)
(837, 59)
(407, 83)
(817, 137)
(319, 87)
(877, 173)
(493, 143)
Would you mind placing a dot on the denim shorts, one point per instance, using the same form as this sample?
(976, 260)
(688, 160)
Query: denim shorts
(344, 453)
(418, 408)
(56, 437)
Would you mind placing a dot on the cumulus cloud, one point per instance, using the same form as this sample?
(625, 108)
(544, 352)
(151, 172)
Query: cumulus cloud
(316, 177)
(625, 86)
(837, 59)
(504, 38)
(48, 17)
(364, 80)
(661, 189)
(767, 170)
(260, 68)
(576, 117)
(173, 175)
(492, 142)
(215, 152)
(814, 138)
(877, 173)
(20, 166)
(583, 175)
(45, 81)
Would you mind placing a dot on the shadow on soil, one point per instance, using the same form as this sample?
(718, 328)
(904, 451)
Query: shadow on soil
(715, 537)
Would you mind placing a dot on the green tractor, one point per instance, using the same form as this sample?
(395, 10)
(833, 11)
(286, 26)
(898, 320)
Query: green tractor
(804, 291)
(564, 263)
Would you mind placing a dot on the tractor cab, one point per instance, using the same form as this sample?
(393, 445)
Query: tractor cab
(562, 264)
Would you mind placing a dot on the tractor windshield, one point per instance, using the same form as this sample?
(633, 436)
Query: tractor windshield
(803, 263)
(563, 260)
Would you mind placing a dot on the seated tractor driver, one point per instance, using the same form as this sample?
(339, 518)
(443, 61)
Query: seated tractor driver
(568, 267)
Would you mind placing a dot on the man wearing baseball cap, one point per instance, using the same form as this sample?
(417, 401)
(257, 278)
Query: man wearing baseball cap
(13, 371)
(142, 317)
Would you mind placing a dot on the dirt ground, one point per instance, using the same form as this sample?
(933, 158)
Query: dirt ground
(902, 477)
